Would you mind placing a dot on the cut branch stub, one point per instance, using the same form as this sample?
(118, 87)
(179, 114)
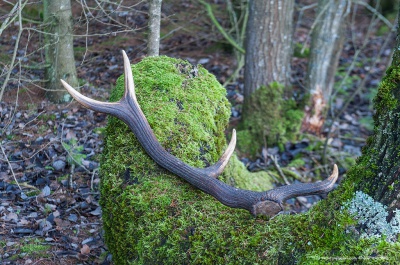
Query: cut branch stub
(267, 203)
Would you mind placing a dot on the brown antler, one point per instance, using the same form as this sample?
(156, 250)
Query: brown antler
(267, 203)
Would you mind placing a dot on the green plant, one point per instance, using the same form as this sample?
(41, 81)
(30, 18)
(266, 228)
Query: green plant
(42, 129)
(35, 248)
(74, 157)
(74, 150)
(300, 51)
(47, 117)
(274, 119)
(33, 193)
(47, 209)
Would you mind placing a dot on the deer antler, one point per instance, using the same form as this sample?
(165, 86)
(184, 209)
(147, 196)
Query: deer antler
(267, 203)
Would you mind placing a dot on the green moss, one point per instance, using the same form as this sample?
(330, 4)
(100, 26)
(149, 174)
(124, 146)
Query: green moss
(297, 163)
(237, 175)
(270, 119)
(153, 217)
(387, 98)
(34, 249)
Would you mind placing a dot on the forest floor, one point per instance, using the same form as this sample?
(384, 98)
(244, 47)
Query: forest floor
(45, 221)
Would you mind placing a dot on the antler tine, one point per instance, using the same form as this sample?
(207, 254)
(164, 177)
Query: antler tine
(107, 107)
(283, 193)
(88, 102)
(215, 170)
(128, 78)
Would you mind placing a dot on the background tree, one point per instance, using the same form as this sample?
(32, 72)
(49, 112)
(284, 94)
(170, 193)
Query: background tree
(14, 14)
(268, 44)
(153, 45)
(326, 46)
(59, 48)
(265, 119)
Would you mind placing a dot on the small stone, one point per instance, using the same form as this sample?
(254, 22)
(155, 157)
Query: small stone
(75, 246)
(46, 191)
(96, 212)
(9, 244)
(59, 165)
(203, 60)
(33, 215)
(235, 113)
(73, 217)
(336, 143)
(302, 199)
(87, 240)
(239, 98)
(354, 150)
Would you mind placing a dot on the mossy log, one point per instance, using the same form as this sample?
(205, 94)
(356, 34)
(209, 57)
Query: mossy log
(153, 217)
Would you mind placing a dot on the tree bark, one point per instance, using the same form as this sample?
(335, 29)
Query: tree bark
(59, 49)
(153, 45)
(268, 44)
(267, 99)
(326, 45)
(379, 165)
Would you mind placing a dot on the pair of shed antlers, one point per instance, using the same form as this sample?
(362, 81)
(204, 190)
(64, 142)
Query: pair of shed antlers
(268, 203)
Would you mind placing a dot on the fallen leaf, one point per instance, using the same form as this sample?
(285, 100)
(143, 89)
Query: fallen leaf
(85, 250)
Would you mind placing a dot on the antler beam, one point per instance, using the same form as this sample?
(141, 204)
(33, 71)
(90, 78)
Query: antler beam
(267, 203)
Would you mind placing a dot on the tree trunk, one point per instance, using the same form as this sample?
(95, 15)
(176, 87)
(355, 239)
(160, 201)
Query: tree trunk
(379, 165)
(327, 43)
(268, 44)
(153, 45)
(59, 49)
(268, 100)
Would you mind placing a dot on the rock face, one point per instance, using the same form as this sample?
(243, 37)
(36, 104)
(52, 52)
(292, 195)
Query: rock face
(151, 216)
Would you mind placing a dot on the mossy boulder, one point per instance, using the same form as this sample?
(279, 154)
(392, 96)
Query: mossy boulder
(147, 209)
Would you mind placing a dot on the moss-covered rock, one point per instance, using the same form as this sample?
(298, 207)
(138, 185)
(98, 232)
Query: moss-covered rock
(269, 119)
(145, 208)
(153, 217)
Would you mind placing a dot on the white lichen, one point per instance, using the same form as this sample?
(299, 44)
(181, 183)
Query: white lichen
(372, 217)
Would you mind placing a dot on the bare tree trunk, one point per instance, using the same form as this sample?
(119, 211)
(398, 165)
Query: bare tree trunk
(327, 43)
(153, 45)
(268, 44)
(59, 49)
